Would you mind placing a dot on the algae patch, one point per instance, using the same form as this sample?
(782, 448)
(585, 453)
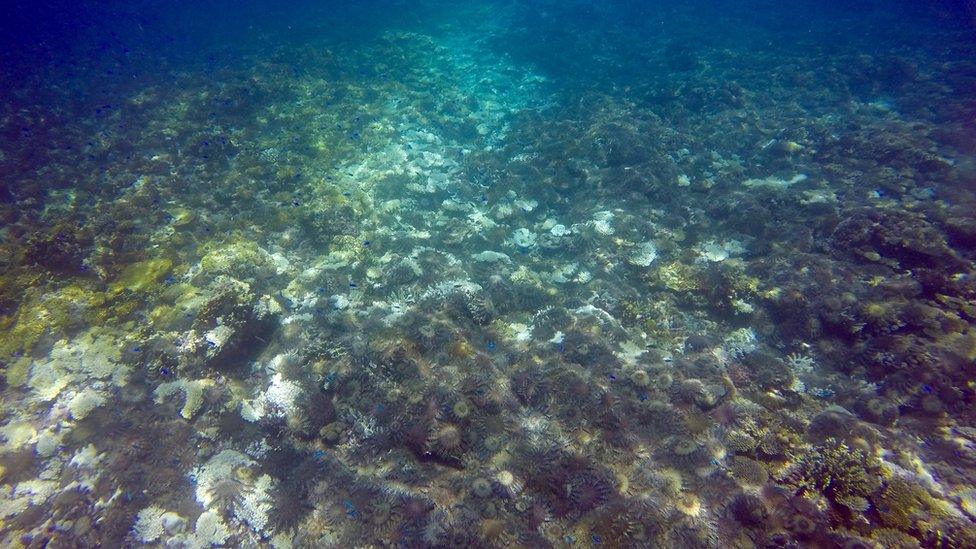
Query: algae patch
(141, 276)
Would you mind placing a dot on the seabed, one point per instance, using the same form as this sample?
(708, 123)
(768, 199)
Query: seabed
(566, 279)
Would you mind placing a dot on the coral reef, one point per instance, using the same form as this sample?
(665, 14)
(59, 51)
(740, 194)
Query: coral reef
(370, 277)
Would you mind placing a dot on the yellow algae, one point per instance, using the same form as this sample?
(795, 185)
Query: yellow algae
(164, 315)
(746, 283)
(16, 434)
(678, 277)
(178, 293)
(141, 276)
(182, 217)
(967, 502)
(241, 259)
(174, 304)
(51, 313)
(963, 345)
(688, 504)
(18, 372)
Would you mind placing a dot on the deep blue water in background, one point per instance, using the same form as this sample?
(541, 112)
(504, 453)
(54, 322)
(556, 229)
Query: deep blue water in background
(130, 39)
(102, 50)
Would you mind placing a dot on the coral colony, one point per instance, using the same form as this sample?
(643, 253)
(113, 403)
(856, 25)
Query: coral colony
(562, 278)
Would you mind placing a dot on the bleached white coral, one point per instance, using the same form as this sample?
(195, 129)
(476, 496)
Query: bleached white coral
(339, 302)
(18, 498)
(398, 304)
(774, 182)
(519, 332)
(481, 220)
(252, 409)
(283, 394)
(739, 342)
(16, 434)
(84, 401)
(713, 252)
(220, 466)
(210, 530)
(256, 504)
(601, 222)
(86, 458)
(523, 238)
(219, 336)
(644, 254)
(284, 540)
(94, 354)
(192, 394)
(48, 442)
(743, 306)
(716, 252)
(282, 361)
(489, 256)
(562, 273)
(152, 522)
(596, 312)
(450, 287)
(559, 230)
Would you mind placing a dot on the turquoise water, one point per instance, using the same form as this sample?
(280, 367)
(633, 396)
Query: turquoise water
(529, 274)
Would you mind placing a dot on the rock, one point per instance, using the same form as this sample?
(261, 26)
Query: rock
(231, 327)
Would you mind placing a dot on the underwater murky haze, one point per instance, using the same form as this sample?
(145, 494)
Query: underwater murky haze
(529, 274)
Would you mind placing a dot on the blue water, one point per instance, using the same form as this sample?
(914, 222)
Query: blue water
(532, 274)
